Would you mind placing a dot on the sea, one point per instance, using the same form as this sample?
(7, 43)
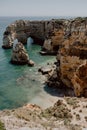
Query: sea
(20, 85)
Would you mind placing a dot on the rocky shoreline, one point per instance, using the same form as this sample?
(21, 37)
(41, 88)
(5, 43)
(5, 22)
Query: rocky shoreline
(67, 39)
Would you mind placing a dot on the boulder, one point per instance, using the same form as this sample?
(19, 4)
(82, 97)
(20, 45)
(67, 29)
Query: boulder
(45, 70)
(31, 63)
(19, 54)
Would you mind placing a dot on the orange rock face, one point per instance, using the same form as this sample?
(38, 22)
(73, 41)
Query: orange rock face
(79, 80)
(72, 55)
(57, 39)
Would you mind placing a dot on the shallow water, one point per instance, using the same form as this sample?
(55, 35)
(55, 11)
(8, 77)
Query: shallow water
(21, 84)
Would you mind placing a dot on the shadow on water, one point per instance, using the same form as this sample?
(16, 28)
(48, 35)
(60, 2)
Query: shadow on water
(59, 91)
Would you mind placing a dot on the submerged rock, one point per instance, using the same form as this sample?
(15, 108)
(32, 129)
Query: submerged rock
(19, 54)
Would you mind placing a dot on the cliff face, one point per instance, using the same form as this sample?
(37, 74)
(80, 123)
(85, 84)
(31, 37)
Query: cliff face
(72, 57)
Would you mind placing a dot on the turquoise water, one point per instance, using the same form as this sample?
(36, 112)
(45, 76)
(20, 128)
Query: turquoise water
(19, 84)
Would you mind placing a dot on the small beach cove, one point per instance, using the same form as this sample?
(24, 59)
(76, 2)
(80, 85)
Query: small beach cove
(20, 85)
(23, 84)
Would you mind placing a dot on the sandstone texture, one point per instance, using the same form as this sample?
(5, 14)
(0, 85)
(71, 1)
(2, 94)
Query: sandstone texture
(72, 56)
(19, 54)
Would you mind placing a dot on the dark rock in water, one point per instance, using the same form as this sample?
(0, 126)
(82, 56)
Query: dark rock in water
(18, 62)
(19, 54)
(45, 70)
(31, 63)
(6, 47)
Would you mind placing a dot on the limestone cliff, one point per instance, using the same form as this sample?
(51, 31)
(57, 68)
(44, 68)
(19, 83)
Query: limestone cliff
(72, 57)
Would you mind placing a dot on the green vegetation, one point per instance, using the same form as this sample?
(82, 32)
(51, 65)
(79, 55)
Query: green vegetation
(77, 116)
(72, 101)
(2, 127)
(58, 111)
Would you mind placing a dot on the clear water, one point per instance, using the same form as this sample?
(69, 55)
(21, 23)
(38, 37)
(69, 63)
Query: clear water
(20, 84)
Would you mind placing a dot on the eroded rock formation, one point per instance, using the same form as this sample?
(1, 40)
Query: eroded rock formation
(79, 80)
(7, 41)
(72, 54)
(19, 54)
(21, 30)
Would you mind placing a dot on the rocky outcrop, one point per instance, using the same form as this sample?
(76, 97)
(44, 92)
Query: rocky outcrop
(31, 63)
(45, 70)
(7, 41)
(23, 29)
(47, 45)
(19, 54)
(72, 55)
(38, 30)
(52, 43)
(79, 80)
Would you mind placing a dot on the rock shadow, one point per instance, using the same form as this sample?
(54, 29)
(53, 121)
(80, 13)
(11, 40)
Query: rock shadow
(59, 91)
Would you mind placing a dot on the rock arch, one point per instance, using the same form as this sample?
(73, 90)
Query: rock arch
(23, 29)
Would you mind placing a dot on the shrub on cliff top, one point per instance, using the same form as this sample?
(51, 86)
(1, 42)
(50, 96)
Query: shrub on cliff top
(2, 127)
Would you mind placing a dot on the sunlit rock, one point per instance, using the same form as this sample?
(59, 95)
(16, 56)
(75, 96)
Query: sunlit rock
(19, 54)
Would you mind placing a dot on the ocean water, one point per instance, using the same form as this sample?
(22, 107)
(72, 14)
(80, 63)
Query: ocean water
(21, 84)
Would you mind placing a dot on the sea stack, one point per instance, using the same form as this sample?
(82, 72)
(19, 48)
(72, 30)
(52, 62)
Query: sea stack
(19, 54)
(7, 40)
